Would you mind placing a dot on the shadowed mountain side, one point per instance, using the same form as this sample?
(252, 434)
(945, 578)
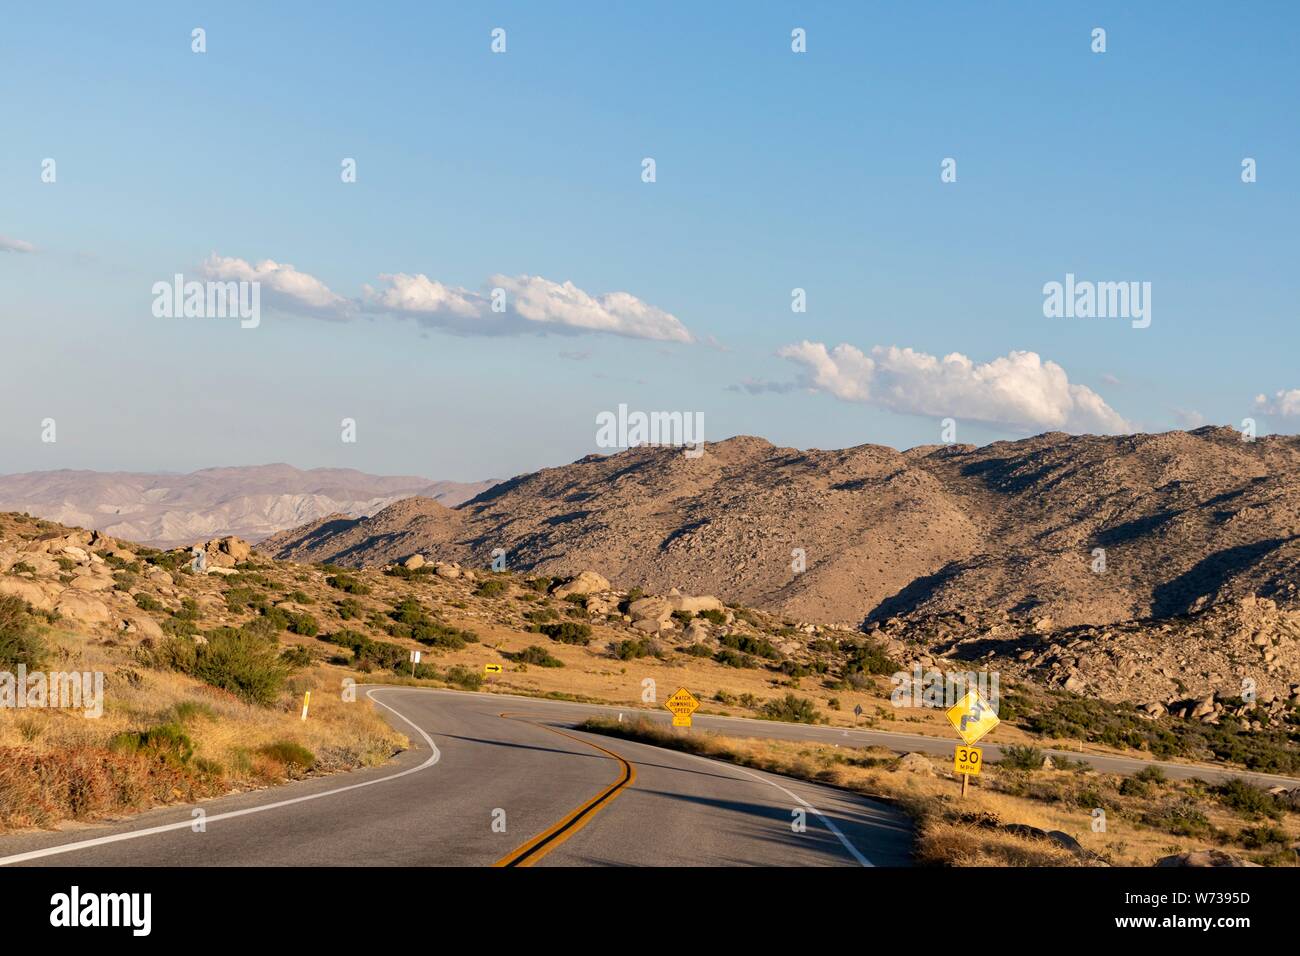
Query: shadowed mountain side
(1078, 529)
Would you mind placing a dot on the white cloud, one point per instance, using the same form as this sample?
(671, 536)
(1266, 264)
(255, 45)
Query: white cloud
(1285, 403)
(15, 245)
(1019, 390)
(282, 284)
(531, 303)
(539, 300)
(1189, 417)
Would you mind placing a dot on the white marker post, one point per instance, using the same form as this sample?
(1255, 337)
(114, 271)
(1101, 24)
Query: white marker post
(415, 659)
(306, 699)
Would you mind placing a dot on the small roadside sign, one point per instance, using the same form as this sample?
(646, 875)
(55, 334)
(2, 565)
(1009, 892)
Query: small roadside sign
(415, 657)
(491, 668)
(857, 711)
(972, 717)
(682, 704)
(968, 760)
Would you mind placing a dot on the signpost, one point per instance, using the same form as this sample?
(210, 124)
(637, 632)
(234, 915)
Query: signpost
(857, 712)
(491, 669)
(415, 659)
(682, 704)
(972, 717)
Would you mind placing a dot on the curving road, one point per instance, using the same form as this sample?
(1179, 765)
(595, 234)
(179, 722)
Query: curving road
(493, 780)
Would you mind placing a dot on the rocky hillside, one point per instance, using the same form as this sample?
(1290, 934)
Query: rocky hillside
(1010, 530)
(252, 502)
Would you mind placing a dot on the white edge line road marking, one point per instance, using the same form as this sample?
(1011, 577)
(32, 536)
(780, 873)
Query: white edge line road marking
(434, 757)
(853, 851)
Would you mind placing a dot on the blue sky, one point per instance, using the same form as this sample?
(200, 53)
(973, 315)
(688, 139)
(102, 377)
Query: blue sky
(775, 170)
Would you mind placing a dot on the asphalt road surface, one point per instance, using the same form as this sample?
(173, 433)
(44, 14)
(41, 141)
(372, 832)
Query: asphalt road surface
(499, 780)
(493, 779)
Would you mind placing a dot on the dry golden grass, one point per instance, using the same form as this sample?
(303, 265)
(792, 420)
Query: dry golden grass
(59, 764)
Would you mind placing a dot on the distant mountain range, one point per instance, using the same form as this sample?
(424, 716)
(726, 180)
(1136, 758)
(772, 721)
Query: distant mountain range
(1063, 530)
(252, 502)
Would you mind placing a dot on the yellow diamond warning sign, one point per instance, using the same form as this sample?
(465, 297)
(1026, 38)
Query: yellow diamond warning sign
(682, 704)
(973, 717)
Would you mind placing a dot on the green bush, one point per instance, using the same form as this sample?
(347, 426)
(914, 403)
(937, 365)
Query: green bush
(757, 646)
(568, 632)
(733, 658)
(166, 743)
(290, 754)
(1246, 799)
(492, 587)
(1018, 757)
(147, 602)
(247, 666)
(462, 676)
(296, 656)
(683, 617)
(304, 624)
(714, 616)
(868, 657)
(349, 609)
(347, 584)
(799, 710)
(19, 643)
(635, 647)
(534, 654)
(698, 650)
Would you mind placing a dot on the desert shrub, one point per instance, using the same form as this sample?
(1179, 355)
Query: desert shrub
(714, 616)
(300, 597)
(1022, 757)
(147, 602)
(799, 710)
(292, 755)
(1152, 774)
(239, 599)
(437, 634)
(633, 648)
(19, 642)
(167, 743)
(723, 697)
(540, 584)
(541, 615)
(869, 657)
(65, 564)
(347, 584)
(179, 627)
(304, 624)
(1260, 837)
(1181, 818)
(22, 567)
(683, 617)
(1249, 800)
(492, 587)
(568, 632)
(462, 676)
(247, 666)
(698, 650)
(733, 658)
(534, 654)
(349, 609)
(296, 656)
(276, 618)
(757, 646)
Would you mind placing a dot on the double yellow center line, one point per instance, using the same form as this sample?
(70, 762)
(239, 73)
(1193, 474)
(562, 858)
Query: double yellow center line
(553, 836)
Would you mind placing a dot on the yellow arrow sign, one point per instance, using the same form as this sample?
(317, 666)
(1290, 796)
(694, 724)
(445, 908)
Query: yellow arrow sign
(491, 668)
(972, 717)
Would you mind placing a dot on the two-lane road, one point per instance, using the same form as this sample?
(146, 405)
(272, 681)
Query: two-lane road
(506, 781)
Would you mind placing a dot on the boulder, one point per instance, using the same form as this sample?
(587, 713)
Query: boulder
(87, 581)
(651, 608)
(414, 562)
(237, 548)
(916, 763)
(143, 625)
(697, 632)
(39, 596)
(448, 571)
(586, 582)
(80, 606)
(694, 604)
